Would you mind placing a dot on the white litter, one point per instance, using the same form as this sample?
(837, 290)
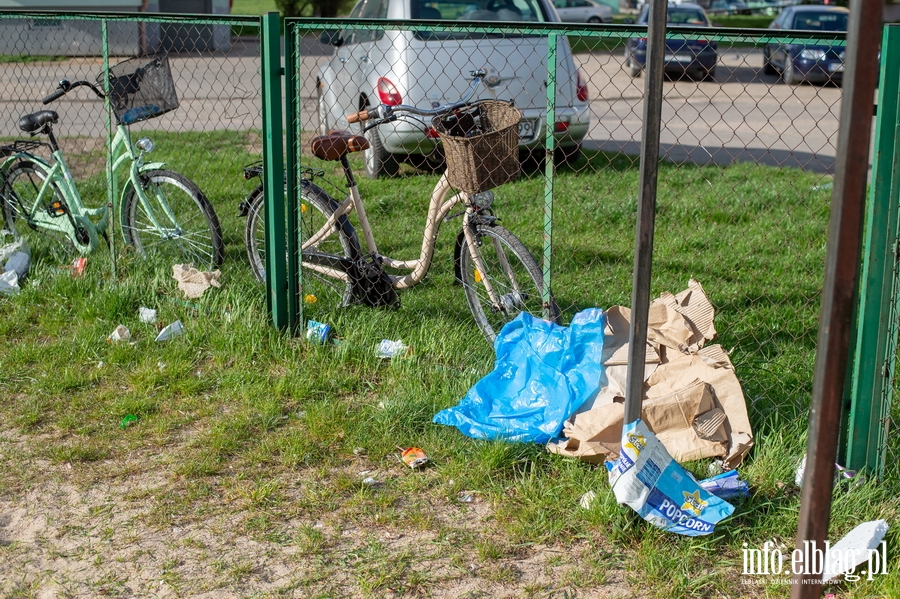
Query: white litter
(173, 330)
(863, 543)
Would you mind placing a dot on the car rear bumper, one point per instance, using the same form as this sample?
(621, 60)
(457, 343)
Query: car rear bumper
(407, 138)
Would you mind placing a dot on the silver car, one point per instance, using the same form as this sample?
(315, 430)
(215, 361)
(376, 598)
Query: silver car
(583, 11)
(429, 68)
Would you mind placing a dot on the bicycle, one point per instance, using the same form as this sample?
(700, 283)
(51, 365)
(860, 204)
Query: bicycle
(162, 212)
(500, 278)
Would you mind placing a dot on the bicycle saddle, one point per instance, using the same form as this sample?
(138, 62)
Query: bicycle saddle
(337, 144)
(36, 120)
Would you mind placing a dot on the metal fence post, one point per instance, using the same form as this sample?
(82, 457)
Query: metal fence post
(273, 165)
(292, 139)
(549, 168)
(876, 334)
(646, 214)
(111, 180)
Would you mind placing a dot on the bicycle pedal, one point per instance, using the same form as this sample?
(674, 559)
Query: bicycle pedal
(57, 208)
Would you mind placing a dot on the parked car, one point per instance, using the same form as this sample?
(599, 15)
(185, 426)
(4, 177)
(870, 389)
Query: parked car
(695, 57)
(429, 68)
(734, 7)
(807, 62)
(583, 11)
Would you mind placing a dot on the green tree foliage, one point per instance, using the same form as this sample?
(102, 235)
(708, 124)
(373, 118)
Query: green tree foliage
(313, 8)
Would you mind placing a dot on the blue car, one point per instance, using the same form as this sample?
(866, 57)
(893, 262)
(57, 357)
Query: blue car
(696, 58)
(807, 62)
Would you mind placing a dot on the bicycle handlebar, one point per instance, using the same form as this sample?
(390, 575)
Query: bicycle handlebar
(385, 113)
(65, 86)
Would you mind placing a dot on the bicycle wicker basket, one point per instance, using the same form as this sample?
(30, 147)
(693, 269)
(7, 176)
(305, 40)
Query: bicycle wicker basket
(141, 88)
(481, 145)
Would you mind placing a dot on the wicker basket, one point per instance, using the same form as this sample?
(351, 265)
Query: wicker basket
(481, 145)
(141, 88)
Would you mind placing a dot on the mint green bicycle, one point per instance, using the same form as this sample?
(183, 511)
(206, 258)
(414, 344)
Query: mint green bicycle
(163, 214)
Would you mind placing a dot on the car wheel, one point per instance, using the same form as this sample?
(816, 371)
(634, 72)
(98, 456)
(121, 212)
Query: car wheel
(768, 69)
(633, 68)
(788, 74)
(594, 20)
(379, 162)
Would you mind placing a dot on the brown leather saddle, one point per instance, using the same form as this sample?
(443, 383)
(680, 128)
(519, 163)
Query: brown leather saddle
(336, 144)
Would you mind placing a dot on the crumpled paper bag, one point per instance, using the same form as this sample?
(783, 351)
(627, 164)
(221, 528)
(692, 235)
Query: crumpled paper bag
(692, 400)
(193, 282)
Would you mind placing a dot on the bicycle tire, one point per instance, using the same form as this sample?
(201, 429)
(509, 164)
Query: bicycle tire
(21, 187)
(318, 289)
(520, 287)
(195, 236)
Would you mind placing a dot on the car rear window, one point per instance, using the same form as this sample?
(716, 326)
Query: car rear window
(487, 11)
(821, 21)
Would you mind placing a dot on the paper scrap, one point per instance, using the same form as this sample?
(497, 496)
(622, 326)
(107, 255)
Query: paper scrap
(863, 543)
(194, 283)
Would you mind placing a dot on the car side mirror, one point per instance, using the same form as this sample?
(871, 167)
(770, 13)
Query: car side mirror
(332, 37)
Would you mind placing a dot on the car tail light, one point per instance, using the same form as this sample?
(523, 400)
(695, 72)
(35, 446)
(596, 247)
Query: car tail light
(431, 133)
(581, 90)
(560, 126)
(387, 92)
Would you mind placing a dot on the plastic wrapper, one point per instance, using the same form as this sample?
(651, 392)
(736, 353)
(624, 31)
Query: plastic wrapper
(646, 478)
(542, 373)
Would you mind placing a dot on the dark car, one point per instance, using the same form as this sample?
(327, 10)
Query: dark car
(807, 62)
(734, 7)
(696, 58)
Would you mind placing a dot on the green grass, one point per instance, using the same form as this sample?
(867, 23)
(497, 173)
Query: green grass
(253, 7)
(274, 432)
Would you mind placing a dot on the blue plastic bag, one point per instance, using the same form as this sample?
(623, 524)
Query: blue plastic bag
(543, 372)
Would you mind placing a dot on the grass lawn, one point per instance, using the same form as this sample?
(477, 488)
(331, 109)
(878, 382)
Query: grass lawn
(245, 471)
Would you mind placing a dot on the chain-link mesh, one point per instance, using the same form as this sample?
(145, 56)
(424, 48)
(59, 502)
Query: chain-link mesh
(748, 143)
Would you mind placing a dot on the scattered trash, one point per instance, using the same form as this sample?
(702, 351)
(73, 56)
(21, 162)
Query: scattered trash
(413, 457)
(390, 349)
(318, 332)
(542, 373)
(716, 467)
(863, 543)
(646, 478)
(120, 335)
(78, 267)
(726, 485)
(18, 262)
(128, 421)
(840, 473)
(370, 482)
(309, 298)
(465, 497)
(194, 283)
(587, 500)
(173, 330)
(359, 451)
(694, 400)
(147, 315)
(9, 283)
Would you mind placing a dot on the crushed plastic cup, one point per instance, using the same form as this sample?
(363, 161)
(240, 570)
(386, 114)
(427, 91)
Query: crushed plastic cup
(413, 457)
(147, 315)
(318, 332)
(128, 421)
(390, 349)
(120, 335)
(173, 330)
(587, 500)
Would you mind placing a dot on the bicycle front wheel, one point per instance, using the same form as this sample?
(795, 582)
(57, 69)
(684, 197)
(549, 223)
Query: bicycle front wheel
(514, 276)
(19, 197)
(172, 221)
(316, 206)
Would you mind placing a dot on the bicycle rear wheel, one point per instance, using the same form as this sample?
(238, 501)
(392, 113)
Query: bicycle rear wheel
(515, 278)
(176, 224)
(316, 206)
(19, 195)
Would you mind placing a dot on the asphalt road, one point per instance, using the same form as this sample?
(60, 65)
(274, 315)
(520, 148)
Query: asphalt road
(741, 116)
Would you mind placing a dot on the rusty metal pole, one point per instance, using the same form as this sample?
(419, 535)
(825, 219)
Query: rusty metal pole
(841, 273)
(646, 215)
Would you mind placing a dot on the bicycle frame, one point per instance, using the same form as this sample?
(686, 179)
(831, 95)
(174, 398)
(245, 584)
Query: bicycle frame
(59, 176)
(438, 210)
